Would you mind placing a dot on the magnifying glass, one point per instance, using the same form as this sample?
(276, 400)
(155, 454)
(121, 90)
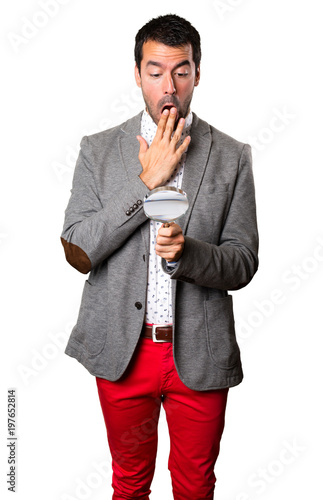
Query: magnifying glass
(165, 204)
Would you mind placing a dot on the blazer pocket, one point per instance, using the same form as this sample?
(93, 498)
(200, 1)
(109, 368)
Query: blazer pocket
(221, 338)
(208, 188)
(90, 329)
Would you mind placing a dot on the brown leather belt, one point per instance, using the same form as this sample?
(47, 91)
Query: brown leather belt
(158, 333)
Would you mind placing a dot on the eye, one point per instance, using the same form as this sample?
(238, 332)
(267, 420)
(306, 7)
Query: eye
(155, 75)
(181, 75)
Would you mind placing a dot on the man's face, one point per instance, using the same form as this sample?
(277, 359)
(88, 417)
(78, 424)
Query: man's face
(167, 77)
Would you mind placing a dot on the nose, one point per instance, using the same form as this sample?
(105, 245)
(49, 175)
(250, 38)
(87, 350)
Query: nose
(169, 87)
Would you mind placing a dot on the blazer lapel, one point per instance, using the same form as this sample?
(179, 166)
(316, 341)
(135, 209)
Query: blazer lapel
(195, 165)
(129, 146)
(196, 161)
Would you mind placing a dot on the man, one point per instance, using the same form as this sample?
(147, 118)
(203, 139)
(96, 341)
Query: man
(143, 274)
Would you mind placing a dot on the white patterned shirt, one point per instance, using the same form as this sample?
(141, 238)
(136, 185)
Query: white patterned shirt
(159, 290)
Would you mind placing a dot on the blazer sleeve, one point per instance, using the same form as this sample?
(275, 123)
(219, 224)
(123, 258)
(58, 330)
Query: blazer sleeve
(231, 263)
(92, 231)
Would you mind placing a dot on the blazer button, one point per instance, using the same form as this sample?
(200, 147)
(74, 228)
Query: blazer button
(135, 206)
(139, 202)
(128, 212)
(131, 209)
(138, 305)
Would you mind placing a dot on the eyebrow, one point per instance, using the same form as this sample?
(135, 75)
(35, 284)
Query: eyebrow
(186, 62)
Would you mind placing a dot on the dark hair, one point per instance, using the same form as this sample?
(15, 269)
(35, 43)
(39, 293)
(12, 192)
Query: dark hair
(170, 30)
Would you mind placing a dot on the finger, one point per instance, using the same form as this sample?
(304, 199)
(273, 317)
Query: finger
(169, 254)
(168, 240)
(162, 124)
(166, 249)
(143, 146)
(167, 224)
(167, 231)
(182, 148)
(178, 132)
(170, 123)
(164, 239)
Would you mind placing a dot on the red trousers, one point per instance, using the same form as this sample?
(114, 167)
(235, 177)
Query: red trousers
(131, 408)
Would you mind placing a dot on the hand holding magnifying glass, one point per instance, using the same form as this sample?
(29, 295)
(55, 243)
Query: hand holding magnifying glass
(166, 204)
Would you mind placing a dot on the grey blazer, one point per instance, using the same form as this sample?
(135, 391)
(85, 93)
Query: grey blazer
(107, 233)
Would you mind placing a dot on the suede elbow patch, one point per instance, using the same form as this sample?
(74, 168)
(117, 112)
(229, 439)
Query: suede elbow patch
(76, 257)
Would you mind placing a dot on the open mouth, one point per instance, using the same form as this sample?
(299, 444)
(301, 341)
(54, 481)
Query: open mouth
(168, 106)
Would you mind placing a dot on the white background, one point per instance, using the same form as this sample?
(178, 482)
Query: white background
(70, 74)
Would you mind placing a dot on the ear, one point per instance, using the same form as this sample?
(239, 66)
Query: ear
(137, 76)
(197, 76)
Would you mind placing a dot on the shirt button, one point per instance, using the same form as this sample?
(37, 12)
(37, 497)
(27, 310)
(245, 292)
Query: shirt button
(138, 305)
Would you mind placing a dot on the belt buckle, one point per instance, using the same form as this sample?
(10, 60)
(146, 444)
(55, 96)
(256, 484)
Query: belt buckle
(154, 332)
